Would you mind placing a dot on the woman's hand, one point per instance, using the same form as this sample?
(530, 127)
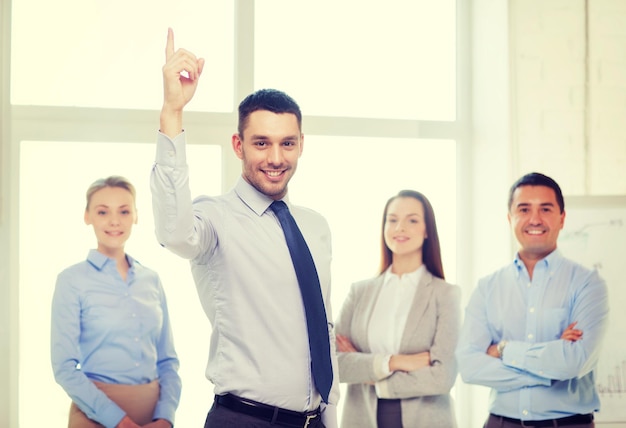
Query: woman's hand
(344, 344)
(127, 422)
(409, 362)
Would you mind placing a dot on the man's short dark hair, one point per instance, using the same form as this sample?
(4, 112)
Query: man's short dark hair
(267, 99)
(538, 179)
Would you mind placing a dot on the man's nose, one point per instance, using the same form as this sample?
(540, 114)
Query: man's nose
(275, 155)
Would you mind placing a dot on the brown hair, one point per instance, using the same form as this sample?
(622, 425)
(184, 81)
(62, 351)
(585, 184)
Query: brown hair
(431, 251)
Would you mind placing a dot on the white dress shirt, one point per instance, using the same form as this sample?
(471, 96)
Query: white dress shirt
(246, 282)
(391, 312)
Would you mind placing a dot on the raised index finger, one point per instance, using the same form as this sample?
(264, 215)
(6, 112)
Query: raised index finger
(169, 47)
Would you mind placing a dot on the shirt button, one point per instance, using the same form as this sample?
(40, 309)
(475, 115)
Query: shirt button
(528, 285)
(530, 336)
(531, 310)
(524, 412)
(136, 364)
(171, 153)
(136, 339)
(134, 315)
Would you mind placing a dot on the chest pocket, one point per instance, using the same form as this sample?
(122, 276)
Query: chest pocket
(554, 323)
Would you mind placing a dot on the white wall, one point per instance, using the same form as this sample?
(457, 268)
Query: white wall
(568, 61)
(549, 95)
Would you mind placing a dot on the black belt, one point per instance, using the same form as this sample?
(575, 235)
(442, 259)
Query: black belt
(268, 413)
(560, 422)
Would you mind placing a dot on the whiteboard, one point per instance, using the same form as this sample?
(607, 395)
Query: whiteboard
(595, 236)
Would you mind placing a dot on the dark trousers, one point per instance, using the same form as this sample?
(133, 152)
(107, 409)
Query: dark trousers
(221, 417)
(389, 414)
(498, 422)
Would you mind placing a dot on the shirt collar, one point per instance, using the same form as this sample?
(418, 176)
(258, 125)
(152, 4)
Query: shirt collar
(550, 261)
(99, 260)
(411, 277)
(257, 201)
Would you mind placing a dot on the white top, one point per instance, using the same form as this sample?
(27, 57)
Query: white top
(391, 312)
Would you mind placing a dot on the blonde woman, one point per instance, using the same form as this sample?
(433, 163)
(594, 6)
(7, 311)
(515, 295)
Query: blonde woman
(111, 342)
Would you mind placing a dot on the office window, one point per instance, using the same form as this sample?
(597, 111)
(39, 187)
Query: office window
(349, 180)
(392, 59)
(109, 53)
(342, 60)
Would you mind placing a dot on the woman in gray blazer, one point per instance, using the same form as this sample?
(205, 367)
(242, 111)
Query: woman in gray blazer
(397, 332)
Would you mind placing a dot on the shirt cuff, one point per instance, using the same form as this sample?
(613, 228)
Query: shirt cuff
(384, 369)
(329, 415)
(380, 366)
(171, 152)
(382, 389)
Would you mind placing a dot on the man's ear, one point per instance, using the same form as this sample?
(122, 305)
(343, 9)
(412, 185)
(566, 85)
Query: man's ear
(86, 218)
(237, 144)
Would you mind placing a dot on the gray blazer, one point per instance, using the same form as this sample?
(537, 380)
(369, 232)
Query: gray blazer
(433, 325)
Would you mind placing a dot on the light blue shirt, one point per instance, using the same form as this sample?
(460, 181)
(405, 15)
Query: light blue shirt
(113, 331)
(540, 376)
(246, 282)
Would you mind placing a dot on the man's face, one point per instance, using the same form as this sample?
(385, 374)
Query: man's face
(270, 147)
(536, 220)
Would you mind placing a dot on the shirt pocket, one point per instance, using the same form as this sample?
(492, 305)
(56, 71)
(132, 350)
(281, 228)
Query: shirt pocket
(554, 323)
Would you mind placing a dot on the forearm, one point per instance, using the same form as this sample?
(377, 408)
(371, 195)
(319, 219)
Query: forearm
(409, 362)
(431, 380)
(478, 367)
(171, 121)
(359, 367)
(171, 197)
(169, 396)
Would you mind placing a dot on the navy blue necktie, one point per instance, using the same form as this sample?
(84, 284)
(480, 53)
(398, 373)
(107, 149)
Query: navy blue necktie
(317, 323)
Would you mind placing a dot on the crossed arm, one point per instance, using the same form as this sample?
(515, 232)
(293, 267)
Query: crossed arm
(397, 363)
(570, 333)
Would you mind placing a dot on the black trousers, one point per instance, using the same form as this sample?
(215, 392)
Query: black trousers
(389, 414)
(221, 417)
(498, 422)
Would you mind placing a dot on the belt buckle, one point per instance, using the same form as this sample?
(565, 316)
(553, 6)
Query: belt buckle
(308, 419)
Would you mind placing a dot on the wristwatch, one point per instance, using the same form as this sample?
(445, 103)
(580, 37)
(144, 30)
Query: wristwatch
(500, 347)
